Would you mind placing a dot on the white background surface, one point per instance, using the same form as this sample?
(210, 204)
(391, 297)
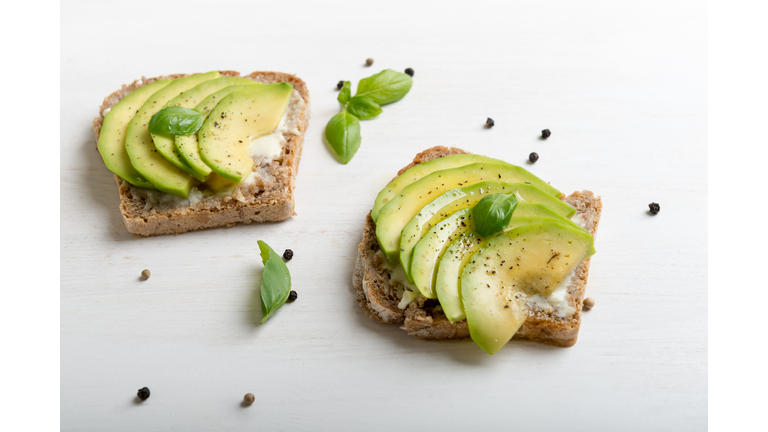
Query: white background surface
(622, 86)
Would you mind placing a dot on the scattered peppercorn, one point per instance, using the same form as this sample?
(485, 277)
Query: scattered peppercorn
(288, 254)
(292, 296)
(340, 85)
(589, 303)
(248, 398)
(654, 208)
(143, 393)
(490, 123)
(369, 62)
(545, 134)
(409, 71)
(145, 274)
(533, 157)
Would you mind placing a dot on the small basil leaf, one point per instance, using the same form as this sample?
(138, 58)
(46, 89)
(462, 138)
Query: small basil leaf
(343, 135)
(345, 92)
(175, 120)
(363, 108)
(493, 212)
(275, 281)
(385, 87)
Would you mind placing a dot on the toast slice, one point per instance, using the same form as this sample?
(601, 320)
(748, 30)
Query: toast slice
(380, 294)
(270, 198)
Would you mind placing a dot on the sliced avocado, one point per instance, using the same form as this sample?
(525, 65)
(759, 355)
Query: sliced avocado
(399, 211)
(113, 129)
(465, 197)
(422, 170)
(141, 150)
(530, 259)
(458, 253)
(239, 118)
(428, 251)
(190, 99)
(186, 145)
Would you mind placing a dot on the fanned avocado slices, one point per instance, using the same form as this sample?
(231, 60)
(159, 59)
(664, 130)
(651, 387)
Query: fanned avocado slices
(113, 131)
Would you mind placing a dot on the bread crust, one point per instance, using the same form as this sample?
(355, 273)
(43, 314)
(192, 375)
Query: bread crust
(270, 199)
(379, 298)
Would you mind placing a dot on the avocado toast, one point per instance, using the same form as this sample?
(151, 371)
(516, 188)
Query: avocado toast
(386, 294)
(165, 185)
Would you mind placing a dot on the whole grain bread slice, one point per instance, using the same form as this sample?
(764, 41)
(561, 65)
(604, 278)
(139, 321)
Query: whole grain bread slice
(379, 294)
(269, 198)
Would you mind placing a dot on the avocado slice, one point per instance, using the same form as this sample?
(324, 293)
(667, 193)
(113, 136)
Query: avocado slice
(141, 150)
(430, 249)
(465, 197)
(112, 136)
(399, 211)
(458, 253)
(189, 99)
(186, 145)
(422, 170)
(242, 116)
(530, 259)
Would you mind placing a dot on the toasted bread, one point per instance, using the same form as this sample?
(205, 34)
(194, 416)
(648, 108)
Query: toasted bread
(271, 198)
(379, 295)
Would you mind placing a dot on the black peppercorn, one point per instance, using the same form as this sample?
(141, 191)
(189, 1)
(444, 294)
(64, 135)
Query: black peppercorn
(340, 85)
(369, 62)
(654, 208)
(533, 157)
(288, 254)
(545, 134)
(409, 71)
(292, 296)
(490, 123)
(143, 393)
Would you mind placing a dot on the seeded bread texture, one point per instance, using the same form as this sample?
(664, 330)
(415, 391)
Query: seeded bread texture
(379, 297)
(269, 199)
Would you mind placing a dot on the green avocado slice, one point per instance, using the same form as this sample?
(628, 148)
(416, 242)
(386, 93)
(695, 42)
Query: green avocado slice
(428, 251)
(242, 116)
(422, 170)
(189, 99)
(113, 130)
(141, 150)
(187, 146)
(399, 211)
(465, 197)
(458, 253)
(530, 259)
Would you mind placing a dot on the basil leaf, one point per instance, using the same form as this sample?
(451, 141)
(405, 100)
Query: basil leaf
(363, 108)
(385, 87)
(343, 134)
(175, 120)
(493, 212)
(275, 281)
(345, 92)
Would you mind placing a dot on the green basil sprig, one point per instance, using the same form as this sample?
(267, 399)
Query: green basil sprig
(275, 281)
(175, 120)
(343, 130)
(492, 213)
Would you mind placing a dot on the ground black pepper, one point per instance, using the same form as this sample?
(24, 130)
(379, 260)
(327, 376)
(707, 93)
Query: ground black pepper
(143, 393)
(409, 71)
(490, 123)
(533, 157)
(654, 207)
(545, 134)
(340, 85)
(292, 296)
(288, 254)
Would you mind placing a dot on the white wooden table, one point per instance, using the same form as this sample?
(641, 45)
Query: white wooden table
(622, 86)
